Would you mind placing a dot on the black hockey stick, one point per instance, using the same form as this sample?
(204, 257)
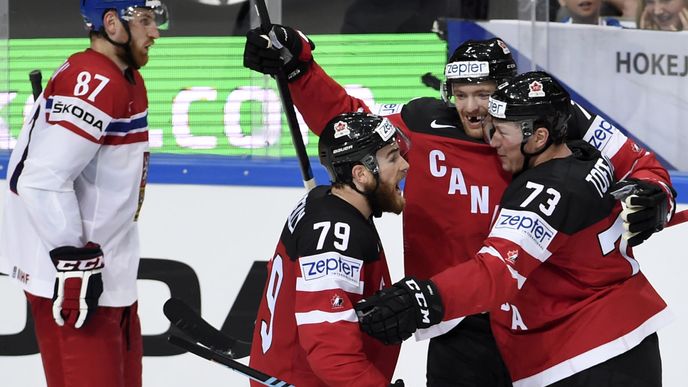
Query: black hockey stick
(36, 77)
(194, 326)
(224, 359)
(288, 106)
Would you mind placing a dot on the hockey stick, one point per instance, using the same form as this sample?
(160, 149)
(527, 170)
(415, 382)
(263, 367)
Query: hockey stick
(224, 359)
(288, 106)
(36, 77)
(678, 218)
(194, 326)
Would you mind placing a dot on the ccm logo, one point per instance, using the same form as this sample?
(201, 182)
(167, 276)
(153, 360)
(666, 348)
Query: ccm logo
(420, 299)
(79, 264)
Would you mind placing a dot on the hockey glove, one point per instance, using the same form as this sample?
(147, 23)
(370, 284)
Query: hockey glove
(78, 283)
(398, 383)
(283, 48)
(393, 314)
(647, 207)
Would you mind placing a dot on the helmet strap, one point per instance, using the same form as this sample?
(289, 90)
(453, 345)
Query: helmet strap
(528, 156)
(128, 55)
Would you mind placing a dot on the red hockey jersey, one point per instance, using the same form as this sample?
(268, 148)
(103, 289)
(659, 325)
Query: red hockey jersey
(575, 296)
(455, 182)
(328, 258)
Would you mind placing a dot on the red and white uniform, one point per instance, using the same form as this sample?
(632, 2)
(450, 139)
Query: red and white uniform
(328, 258)
(455, 182)
(78, 174)
(575, 296)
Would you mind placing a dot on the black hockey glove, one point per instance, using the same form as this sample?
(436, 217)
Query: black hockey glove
(283, 48)
(398, 383)
(647, 207)
(393, 314)
(78, 283)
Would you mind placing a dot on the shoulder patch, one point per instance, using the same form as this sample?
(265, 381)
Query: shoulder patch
(330, 270)
(387, 109)
(527, 229)
(79, 114)
(604, 136)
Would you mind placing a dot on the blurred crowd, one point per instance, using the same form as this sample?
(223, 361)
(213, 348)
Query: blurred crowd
(417, 15)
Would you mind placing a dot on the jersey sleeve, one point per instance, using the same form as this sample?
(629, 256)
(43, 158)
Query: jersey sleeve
(525, 233)
(628, 158)
(63, 140)
(319, 98)
(330, 280)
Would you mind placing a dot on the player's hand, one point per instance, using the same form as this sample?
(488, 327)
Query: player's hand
(78, 283)
(647, 207)
(283, 48)
(392, 315)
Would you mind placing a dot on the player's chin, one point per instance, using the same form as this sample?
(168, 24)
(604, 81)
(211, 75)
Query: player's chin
(399, 201)
(391, 199)
(141, 59)
(400, 205)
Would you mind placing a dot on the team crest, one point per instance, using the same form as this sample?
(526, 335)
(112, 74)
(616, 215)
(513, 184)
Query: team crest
(535, 90)
(337, 302)
(512, 256)
(503, 46)
(341, 129)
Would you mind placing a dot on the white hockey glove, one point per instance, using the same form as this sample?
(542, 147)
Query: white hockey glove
(78, 283)
(647, 207)
(283, 48)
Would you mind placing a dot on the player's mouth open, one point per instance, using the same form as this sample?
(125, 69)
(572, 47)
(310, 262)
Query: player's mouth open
(475, 120)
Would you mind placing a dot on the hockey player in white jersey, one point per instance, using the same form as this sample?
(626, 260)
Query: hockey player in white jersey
(76, 181)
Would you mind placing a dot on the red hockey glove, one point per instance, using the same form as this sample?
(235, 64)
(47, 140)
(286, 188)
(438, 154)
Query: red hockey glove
(392, 315)
(283, 48)
(647, 207)
(78, 283)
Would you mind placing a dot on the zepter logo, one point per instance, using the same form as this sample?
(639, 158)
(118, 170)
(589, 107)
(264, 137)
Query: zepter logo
(385, 130)
(496, 108)
(467, 69)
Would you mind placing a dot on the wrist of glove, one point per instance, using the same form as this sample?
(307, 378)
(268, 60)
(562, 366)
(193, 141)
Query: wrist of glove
(78, 283)
(393, 314)
(283, 48)
(646, 207)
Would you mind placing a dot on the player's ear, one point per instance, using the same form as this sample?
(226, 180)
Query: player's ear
(110, 21)
(360, 174)
(540, 136)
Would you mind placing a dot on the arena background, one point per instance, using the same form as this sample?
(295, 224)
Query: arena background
(223, 177)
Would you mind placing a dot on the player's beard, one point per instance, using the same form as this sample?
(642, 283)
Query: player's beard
(136, 60)
(388, 199)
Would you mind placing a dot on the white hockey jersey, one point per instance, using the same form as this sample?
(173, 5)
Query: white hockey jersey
(78, 174)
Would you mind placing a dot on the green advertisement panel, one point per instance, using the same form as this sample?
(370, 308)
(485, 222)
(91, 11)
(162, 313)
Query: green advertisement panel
(203, 101)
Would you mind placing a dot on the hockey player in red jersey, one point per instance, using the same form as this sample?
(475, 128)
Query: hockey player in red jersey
(455, 183)
(569, 304)
(76, 181)
(329, 257)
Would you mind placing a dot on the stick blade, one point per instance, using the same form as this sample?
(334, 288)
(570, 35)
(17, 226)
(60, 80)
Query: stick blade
(193, 325)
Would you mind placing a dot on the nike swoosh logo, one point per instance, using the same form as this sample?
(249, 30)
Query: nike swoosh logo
(435, 125)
